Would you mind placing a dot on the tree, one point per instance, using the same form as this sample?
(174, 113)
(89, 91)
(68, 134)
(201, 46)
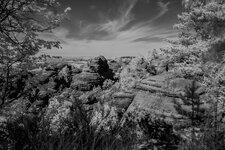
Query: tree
(192, 98)
(204, 22)
(21, 24)
(201, 32)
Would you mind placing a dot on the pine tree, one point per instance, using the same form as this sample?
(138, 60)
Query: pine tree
(192, 100)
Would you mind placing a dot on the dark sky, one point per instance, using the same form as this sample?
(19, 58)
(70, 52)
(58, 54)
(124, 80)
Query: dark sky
(116, 27)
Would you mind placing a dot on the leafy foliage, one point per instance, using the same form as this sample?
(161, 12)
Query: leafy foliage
(201, 38)
(22, 23)
(155, 130)
(77, 132)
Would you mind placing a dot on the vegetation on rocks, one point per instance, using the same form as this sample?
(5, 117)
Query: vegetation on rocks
(171, 99)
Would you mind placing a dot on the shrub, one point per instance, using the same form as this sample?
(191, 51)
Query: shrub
(77, 132)
(158, 133)
(107, 84)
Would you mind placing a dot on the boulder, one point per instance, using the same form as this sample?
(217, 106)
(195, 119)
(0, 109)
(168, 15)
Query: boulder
(122, 100)
(121, 103)
(93, 79)
(99, 64)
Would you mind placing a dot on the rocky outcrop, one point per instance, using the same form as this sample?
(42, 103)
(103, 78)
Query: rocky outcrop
(154, 104)
(93, 74)
(85, 81)
(158, 95)
(122, 101)
(99, 64)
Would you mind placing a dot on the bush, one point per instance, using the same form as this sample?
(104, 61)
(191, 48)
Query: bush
(27, 133)
(158, 133)
(209, 138)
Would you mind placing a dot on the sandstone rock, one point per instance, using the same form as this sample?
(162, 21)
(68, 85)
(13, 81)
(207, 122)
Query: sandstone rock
(81, 86)
(99, 64)
(123, 95)
(86, 68)
(122, 100)
(153, 104)
(93, 79)
(121, 103)
(114, 66)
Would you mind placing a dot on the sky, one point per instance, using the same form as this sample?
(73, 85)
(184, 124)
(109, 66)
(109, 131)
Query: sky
(115, 27)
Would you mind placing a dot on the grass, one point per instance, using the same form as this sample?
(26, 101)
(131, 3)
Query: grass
(28, 133)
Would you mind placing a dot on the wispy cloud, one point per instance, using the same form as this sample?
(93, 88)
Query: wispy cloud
(142, 30)
(163, 7)
(125, 17)
(110, 37)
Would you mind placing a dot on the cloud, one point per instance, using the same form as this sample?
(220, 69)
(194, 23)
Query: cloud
(141, 30)
(125, 17)
(93, 7)
(120, 46)
(110, 37)
(163, 7)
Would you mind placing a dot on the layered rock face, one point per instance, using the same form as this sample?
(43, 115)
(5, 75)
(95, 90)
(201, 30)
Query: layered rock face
(153, 93)
(160, 96)
(86, 81)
